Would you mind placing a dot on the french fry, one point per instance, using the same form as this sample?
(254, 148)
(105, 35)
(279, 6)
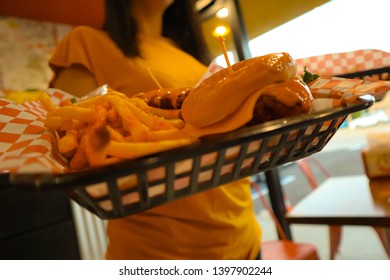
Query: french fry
(112, 116)
(93, 101)
(101, 116)
(165, 113)
(79, 160)
(177, 123)
(130, 123)
(117, 124)
(76, 113)
(46, 102)
(96, 144)
(66, 102)
(109, 128)
(141, 115)
(115, 134)
(161, 135)
(68, 142)
(61, 124)
(140, 103)
(153, 122)
(111, 160)
(134, 150)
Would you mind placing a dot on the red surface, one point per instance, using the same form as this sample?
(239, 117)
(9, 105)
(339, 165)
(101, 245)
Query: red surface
(74, 12)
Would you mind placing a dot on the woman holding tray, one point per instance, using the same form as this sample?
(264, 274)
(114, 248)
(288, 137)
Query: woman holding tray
(162, 36)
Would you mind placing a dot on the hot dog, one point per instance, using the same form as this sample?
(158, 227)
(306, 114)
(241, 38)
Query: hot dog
(226, 101)
(170, 98)
(253, 91)
(224, 92)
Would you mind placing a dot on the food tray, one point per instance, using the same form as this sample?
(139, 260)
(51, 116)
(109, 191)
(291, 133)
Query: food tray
(133, 186)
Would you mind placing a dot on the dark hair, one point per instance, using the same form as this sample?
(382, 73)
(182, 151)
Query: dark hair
(180, 23)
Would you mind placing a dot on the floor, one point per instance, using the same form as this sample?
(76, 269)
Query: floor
(358, 242)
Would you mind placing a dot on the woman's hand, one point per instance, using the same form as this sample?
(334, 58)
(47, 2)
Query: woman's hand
(76, 80)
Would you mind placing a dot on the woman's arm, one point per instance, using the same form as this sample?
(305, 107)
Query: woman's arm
(76, 80)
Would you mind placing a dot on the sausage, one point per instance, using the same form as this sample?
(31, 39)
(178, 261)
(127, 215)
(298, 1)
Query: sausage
(171, 98)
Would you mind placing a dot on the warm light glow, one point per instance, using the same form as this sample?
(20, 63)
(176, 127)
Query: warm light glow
(221, 31)
(320, 37)
(223, 13)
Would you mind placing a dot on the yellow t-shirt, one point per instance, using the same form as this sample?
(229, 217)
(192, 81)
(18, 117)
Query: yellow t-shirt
(214, 224)
(99, 54)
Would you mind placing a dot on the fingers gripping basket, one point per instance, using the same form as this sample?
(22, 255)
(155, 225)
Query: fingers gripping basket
(133, 186)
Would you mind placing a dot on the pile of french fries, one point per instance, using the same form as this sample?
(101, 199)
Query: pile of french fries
(108, 128)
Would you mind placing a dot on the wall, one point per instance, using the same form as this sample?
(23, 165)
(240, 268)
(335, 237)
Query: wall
(25, 48)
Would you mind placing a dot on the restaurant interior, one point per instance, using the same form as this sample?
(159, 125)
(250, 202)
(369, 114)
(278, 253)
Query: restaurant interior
(333, 38)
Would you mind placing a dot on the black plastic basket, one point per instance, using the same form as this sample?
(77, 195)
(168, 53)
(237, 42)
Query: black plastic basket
(132, 186)
(382, 73)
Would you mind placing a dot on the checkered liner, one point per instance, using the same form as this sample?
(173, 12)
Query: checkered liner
(25, 144)
(340, 87)
(341, 63)
(335, 92)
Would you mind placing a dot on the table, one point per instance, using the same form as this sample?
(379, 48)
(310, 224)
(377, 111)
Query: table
(346, 200)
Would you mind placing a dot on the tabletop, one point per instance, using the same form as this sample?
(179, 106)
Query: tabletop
(346, 200)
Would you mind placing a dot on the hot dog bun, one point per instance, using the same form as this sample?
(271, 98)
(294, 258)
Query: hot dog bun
(226, 91)
(279, 100)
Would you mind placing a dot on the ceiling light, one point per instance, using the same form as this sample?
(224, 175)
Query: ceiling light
(221, 30)
(223, 13)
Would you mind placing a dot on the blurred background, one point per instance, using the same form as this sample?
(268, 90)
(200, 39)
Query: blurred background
(29, 30)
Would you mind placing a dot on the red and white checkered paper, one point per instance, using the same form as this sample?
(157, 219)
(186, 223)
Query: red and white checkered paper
(26, 146)
(336, 92)
(342, 63)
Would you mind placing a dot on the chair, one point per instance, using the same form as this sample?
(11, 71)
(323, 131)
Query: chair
(283, 249)
(335, 231)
